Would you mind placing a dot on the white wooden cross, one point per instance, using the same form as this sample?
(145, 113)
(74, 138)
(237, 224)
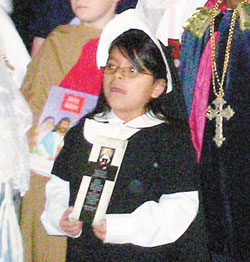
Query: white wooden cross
(218, 113)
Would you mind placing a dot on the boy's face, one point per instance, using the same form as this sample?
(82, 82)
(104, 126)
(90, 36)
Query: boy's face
(94, 13)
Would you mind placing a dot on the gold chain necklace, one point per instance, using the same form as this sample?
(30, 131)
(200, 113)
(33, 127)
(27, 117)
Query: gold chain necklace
(215, 76)
(219, 113)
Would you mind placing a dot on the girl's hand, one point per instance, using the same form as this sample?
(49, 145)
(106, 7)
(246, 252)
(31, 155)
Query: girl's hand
(100, 230)
(72, 228)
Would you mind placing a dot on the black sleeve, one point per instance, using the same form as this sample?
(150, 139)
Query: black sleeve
(73, 155)
(177, 164)
(72, 160)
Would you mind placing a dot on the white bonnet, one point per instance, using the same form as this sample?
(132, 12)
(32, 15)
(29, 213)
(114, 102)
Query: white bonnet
(129, 19)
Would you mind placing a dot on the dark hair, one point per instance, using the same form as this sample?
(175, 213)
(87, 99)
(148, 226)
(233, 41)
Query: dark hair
(143, 53)
(66, 119)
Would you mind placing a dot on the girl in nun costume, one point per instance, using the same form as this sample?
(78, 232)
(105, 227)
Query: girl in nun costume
(154, 212)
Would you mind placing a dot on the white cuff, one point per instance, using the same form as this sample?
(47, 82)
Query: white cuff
(52, 228)
(120, 228)
(57, 202)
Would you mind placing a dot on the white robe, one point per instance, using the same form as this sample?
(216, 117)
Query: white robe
(15, 120)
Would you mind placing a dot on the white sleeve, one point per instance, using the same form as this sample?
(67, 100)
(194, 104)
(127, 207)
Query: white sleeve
(152, 223)
(57, 201)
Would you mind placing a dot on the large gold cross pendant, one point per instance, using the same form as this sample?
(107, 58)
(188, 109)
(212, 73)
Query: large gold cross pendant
(218, 113)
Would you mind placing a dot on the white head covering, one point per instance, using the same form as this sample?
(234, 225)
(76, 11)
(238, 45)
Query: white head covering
(129, 19)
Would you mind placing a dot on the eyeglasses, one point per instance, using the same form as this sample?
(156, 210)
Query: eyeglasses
(130, 72)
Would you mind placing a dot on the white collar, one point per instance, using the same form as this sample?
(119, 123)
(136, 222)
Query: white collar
(110, 125)
(146, 120)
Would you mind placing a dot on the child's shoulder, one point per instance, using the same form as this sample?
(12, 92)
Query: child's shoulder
(66, 42)
(175, 134)
(74, 31)
(78, 127)
(175, 128)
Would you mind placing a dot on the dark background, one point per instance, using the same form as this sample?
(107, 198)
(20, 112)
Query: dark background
(21, 17)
